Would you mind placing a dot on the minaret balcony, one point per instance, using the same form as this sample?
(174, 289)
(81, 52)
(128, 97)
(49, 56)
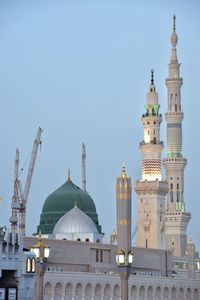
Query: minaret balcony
(151, 115)
(151, 187)
(174, 79)
(174, 116)
(153, 142)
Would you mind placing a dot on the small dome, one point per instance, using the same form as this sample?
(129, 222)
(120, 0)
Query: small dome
(75, 221)
(62, 201)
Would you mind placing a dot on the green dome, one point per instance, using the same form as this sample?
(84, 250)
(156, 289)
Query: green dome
(62, 201)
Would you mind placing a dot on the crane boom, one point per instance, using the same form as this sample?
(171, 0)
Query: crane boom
(23, 196)
(36, 143)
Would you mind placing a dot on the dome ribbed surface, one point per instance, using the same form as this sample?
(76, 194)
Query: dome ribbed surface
(75, 221)
(62, 201)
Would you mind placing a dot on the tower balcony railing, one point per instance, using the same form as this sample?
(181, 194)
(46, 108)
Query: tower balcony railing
(151, 114)
(153, 142)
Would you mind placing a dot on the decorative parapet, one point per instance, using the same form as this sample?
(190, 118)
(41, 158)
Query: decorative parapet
(151, 187)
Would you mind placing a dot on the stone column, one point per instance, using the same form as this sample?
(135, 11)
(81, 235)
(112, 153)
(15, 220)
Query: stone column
(124, 276)
(123, 195)
(40, 270)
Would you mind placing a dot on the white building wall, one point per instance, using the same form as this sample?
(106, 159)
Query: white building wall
(67, 285)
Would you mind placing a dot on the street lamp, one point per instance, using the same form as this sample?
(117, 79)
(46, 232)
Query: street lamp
(122, 259)
(41, 250)
(42, 253)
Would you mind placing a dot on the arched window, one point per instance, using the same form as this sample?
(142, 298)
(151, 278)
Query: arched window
(58, 289)
(88, 291)
(107, 292)
(97, 291)
(33, 265)
(158, 293)
(87, 240)
(4, 247)
(150, 293)
(116, 292)
(142, 293)
(181, 293)
(48, 290)
(189, 294)
(173, 293)
(196, 294)
(166, 293)
(171, 186)
(101, 256)
(134, 292)
(68, 291)
(97, 255)
(28, 265)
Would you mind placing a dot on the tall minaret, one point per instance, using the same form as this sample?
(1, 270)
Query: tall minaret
(151, 190)
(176, 217)
(83, 168)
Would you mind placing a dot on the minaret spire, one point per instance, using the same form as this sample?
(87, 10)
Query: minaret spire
(152, 77)
(175, 164)
(174, 41)
(174, 23)
(83, 167)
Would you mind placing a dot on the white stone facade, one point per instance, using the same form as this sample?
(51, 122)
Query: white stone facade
(93, 286)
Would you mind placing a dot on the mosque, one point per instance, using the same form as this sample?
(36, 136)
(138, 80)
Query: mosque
(165, 265)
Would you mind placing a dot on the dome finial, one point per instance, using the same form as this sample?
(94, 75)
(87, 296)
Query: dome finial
(152, 76)
(69, 175)
(123, 175)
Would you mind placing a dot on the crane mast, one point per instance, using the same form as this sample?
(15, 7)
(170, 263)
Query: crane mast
(83, 168)
(15, 203)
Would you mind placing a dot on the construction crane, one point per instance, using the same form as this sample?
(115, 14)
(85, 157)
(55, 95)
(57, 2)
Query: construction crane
(83, 168)
(20, 197)
(134, 231)
(15, 199)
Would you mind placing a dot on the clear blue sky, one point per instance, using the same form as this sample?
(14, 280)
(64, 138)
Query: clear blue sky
(81, 70)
